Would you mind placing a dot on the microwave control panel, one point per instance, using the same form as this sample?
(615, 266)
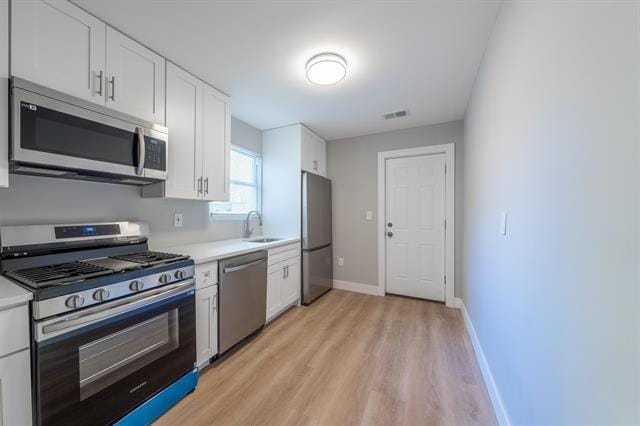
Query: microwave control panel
(155, 154)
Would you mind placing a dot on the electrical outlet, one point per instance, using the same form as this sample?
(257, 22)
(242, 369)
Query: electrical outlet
(369, 215)
(341, 261)
(177, 220)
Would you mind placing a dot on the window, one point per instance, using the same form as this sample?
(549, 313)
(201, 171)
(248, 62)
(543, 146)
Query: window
(245, 176)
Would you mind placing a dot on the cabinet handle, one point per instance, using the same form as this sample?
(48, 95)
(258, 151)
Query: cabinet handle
(315, 165)
(200, 185)
(113, 88)
(206, 185)
(215, 303)
(284, 272)
(100, 78)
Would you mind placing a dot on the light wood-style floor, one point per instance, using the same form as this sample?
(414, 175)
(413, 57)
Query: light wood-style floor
(348, 359)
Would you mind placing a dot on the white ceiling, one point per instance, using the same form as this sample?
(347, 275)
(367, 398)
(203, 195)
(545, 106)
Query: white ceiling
(420, 55)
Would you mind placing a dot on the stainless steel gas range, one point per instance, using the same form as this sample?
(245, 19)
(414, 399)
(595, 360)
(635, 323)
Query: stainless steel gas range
(113, 324)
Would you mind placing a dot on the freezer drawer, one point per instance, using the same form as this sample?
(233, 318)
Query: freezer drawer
(317, 273)
(242, 299)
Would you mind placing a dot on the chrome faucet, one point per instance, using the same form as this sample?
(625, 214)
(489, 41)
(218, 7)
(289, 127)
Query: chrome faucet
(247, 230)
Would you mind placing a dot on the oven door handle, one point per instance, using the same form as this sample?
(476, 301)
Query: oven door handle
(67, 323)
(141, 151)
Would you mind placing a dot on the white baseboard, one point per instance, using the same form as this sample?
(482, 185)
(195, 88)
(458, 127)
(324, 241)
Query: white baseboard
(492, 388)
(356, 287)
(457, 303)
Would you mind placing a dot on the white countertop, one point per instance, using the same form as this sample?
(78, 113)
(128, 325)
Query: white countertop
(12, 294)
(208, 252)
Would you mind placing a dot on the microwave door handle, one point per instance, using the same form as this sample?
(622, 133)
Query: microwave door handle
(141, 151)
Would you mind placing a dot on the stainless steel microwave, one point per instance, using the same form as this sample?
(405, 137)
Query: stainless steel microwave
(57, 135)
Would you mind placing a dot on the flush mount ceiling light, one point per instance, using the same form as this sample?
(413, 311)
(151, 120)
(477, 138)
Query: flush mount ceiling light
(326, 69)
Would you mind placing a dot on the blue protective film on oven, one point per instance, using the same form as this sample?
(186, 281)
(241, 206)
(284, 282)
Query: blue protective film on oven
(158, 404)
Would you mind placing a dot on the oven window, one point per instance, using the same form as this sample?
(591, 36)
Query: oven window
(46, 130)
(109, 359)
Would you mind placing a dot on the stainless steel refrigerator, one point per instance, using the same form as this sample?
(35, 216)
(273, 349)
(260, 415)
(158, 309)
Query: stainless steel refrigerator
(317, 250)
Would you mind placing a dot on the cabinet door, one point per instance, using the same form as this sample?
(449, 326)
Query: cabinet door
(291, 286)
(4, 93)
(274, 290)
(135, 78)
(206, 324)
(15, 389)
(184, 120)
(216, 145)
(307, 150)
(320, 157)
(58, 45)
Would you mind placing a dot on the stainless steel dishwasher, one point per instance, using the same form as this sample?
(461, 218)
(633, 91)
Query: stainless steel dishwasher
(242, 297)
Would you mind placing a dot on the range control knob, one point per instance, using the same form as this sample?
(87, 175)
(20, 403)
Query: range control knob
(164, 279)
(74, 301)
(180, 274)
(136, 285)
(101, 295)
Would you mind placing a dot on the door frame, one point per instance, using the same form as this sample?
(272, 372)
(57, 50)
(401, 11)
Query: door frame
(448, 150)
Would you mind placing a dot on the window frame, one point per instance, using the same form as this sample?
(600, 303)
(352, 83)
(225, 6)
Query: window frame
(258, 185)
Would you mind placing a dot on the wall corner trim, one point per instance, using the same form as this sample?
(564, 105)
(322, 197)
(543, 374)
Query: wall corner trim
(356, 287)
(496, 400)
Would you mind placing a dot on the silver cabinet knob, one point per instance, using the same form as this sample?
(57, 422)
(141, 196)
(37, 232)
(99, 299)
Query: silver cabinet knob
(101, 295)
(164, 278)
(74, 301)
(180, 274)
(136, 285)
(389, 234)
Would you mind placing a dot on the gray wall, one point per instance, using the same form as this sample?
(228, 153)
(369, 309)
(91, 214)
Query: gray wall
(36, 200)
(552, 137)
(352, 165)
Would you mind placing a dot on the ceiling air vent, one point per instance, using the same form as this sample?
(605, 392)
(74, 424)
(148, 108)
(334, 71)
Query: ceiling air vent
(396, 114)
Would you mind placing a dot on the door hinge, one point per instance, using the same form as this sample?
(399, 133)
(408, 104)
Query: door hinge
(445, 280)
(445, 169)
(445, 224)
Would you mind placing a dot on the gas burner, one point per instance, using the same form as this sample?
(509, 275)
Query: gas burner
(66, 273)
(150, 257)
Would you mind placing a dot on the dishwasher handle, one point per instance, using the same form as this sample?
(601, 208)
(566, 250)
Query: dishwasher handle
(244, 266)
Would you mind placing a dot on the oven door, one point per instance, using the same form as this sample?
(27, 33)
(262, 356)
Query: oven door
(53, 133)
(95, 365)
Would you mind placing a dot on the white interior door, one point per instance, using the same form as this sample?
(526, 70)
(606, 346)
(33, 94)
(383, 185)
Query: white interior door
(415, 226)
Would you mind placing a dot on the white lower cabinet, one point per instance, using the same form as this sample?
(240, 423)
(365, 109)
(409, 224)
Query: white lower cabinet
(283, 286)
(15, 389)
(206, 324)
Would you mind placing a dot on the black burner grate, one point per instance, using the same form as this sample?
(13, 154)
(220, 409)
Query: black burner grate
(65, 273)
(150, 257)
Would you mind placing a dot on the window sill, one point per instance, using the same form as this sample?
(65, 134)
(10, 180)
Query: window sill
(228, 217)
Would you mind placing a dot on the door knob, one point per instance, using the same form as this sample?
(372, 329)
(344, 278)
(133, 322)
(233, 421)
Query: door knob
(389, 234)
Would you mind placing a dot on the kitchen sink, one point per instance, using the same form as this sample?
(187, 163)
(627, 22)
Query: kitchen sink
(263, 240)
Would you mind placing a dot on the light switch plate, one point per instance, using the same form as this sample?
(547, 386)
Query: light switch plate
(341, 261)
(369, 215)
(177, 220)
(503, 223)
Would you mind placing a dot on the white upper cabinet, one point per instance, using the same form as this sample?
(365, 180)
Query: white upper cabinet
(58, 45)
(184, 109)
(4, 94)
(313, 153)
(216, 145)
(135, 78)
(199, 122)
